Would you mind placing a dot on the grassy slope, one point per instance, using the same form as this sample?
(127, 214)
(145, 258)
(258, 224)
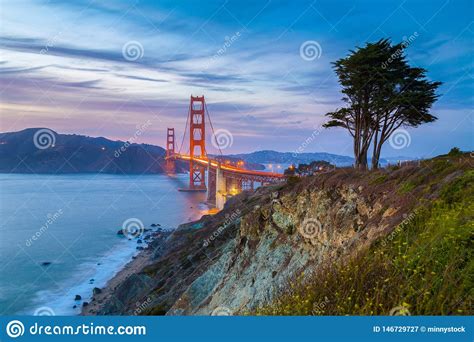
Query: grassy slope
(424, 267)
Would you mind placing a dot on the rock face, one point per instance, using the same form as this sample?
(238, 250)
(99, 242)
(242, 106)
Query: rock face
(277, 240)
(244, 255)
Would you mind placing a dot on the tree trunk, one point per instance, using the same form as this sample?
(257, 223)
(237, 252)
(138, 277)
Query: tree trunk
(361, 160)
(378, 151)
(375, 160)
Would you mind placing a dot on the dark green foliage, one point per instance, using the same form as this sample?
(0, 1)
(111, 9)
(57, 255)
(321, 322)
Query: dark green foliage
(455, 152)
(382, 93)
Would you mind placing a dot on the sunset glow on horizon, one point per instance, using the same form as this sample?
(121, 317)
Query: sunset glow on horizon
(105, 68)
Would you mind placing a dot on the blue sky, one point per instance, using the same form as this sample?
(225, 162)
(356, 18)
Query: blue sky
(64, 65)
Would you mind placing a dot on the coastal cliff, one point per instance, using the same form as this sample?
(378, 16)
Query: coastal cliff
(264, 250)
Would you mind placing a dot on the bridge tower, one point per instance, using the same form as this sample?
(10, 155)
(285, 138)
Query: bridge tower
(170, 146)
(197, 143)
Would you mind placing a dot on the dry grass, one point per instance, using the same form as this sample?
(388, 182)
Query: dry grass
(424, 267)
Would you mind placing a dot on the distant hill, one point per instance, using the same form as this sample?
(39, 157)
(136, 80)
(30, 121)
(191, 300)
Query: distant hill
(73, 153)
(273, 157)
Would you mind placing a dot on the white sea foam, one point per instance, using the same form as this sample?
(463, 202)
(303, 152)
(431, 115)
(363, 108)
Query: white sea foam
(101, 270)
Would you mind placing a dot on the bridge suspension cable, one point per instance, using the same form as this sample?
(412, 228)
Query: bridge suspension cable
(212, 128)
(185, 130)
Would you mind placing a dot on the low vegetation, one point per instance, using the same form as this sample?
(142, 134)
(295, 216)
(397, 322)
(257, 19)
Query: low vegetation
(425, 266)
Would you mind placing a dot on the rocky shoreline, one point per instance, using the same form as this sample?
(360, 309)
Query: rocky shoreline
(146, 255)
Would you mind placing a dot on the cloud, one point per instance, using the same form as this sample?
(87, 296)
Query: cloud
(62, 63)
(141, 78)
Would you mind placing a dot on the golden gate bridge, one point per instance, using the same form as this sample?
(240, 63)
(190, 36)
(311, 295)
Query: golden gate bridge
(223, 180)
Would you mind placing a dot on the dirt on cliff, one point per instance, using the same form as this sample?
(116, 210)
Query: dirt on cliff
(239, 259)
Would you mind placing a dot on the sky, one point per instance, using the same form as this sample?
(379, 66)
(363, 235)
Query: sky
(125, 69)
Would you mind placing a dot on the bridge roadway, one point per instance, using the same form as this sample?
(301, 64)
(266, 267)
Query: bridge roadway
(227, 180)
(257, 176)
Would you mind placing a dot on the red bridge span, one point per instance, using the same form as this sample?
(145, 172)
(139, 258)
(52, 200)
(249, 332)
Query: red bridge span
(219, 179)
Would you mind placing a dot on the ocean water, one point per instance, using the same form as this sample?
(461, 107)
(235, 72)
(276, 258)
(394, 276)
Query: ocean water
(71, 221)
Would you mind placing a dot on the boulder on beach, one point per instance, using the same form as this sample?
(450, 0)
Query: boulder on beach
(120, 232)
(96, 290)
(85, 304)
(78, 297)
(140, 248)
(75, 306)
(156, 225)
(139, 241)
